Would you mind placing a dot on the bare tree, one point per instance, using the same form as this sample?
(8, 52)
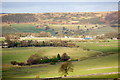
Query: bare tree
(65, 68)
(65, 57)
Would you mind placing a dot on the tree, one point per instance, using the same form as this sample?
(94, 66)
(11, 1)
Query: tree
(65, 68)
(65, 57)
(13, 62)
(47, 28)
(34, 59)
(24, 43)
(58, 57)
(63, 28)
(112, 35)
(78, 27)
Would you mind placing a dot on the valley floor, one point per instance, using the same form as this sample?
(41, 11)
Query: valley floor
(105, 66)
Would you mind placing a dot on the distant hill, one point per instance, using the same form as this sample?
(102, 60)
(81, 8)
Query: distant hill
(62, 18)
(67, 24)
(19, 18)
(103, 30)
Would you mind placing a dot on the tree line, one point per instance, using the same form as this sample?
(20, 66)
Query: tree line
(34, 43)
(36, 59)
(65, 67)
(18, 35)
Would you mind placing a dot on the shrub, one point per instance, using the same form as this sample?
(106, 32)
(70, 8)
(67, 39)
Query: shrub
(53, 63)
(21, 63)
(43, 61)
(17, 63)
(34, 59)
(45, 57)
(65, 57)
(54, 60)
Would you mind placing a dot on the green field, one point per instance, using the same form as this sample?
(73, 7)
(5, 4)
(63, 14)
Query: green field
(12, 54)
(103, 30)
(73, 27)
(107, 47)
(91, 59)
(82, 69)
(30, 28)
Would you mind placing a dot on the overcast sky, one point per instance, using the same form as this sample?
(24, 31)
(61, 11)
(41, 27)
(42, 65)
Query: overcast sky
(17, 7)
(59, 0)
(43, 7)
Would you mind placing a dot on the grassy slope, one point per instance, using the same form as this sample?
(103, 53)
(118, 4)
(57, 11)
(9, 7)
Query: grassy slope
(73, 26)
(8, 29)
(80, 68)
(11, 54)
(103, 30)
(106, 47)
(32, 29)
(97, 63)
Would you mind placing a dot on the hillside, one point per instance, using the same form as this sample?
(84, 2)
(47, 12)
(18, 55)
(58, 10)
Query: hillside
(89, 62)
(103, 30)
(61, 24)
(61, 18)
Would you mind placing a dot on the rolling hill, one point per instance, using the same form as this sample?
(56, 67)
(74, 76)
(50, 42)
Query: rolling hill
(69, 24)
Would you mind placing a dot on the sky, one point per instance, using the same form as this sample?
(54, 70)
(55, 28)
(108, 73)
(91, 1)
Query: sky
(45, 7)
(60, 0)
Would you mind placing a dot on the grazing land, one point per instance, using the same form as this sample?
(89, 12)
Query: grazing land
(88, 39)
(92, 63)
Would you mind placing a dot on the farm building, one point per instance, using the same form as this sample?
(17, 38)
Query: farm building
(88, 38)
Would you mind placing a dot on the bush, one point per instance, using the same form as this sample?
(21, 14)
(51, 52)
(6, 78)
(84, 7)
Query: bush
(44, 61)
(53, 63)
(48, 60)
(54, 60)
(17, 63)
(13, 62)
(34, 59)
(65, 57)
(21, 63)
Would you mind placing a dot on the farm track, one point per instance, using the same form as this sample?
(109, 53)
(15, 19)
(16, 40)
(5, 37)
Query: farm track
(70, 77)
(103, 68)
(95, 74)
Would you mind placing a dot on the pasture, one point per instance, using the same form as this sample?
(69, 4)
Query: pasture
(89, 66)
(31, 28)
(16, 54)
(82, 68)
(107, 47)
(73, 27)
